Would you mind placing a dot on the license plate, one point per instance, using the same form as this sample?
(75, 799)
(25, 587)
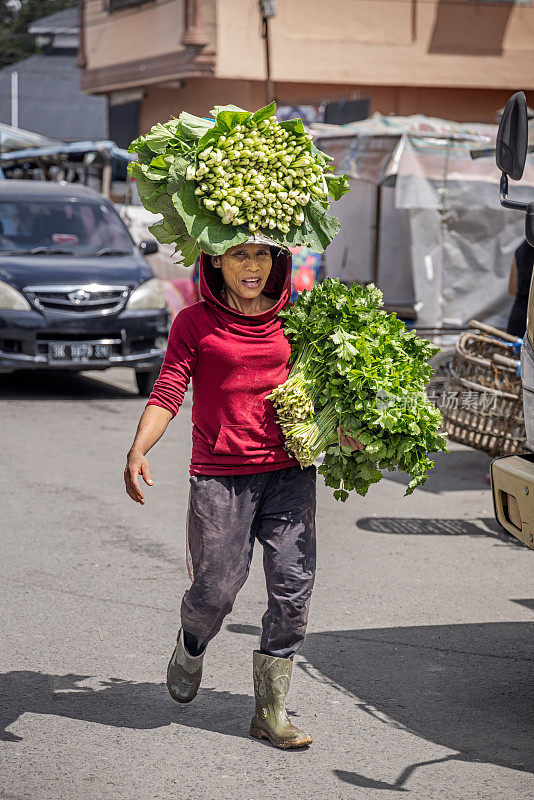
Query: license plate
(78, 352)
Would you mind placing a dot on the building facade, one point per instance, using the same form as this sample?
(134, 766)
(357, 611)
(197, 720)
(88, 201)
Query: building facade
(457, 59)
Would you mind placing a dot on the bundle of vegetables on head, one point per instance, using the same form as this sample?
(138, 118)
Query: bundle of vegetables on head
(216, 182)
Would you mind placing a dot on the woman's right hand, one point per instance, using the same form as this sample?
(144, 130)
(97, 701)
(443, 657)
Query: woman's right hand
(136, 464)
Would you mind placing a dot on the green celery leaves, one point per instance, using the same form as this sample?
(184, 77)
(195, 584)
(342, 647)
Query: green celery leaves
(357, 368)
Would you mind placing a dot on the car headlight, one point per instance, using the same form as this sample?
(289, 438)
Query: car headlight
(149, 295)
(11, 299)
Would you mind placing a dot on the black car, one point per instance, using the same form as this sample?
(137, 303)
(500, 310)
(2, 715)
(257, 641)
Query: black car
(75, 290)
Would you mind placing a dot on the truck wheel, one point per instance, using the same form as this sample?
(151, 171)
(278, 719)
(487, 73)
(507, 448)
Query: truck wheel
(145, 381)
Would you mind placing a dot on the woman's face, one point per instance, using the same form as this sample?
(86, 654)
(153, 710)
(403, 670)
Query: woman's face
(245, 268)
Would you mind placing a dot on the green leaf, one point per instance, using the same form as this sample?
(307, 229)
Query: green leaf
(159, 138)
(321, 227)
(155, 173)
(193, 128)
(323, 159)
(139, 146)
(160, 232)
(173, 231)
(264, 113)
(296, 126)
(317, 230)
(164, 205)
(229, 119)
(341, 494)
(211, 136)
(419, 480)
(177, 172)
(189, 250)
(218, 109)
(149, 191)
(338, 185)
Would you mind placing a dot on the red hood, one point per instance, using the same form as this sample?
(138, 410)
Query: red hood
(278, 286)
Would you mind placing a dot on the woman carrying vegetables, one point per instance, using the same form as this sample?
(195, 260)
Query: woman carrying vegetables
(218, 183)
(243, 483)
(237, 191)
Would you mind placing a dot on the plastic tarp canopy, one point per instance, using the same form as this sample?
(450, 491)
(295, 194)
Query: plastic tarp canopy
(17, 138)
(53, 149)
(445, 244)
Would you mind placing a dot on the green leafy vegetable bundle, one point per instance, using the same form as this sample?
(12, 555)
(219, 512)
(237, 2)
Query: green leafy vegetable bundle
(357, 368)
(214, 181)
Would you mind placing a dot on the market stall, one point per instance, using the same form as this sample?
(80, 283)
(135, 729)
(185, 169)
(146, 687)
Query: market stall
(423, 219)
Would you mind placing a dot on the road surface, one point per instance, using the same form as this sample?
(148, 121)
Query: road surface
(416, 675)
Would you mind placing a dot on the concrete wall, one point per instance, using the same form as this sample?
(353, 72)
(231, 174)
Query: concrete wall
(425, 43)
(198, 96)
(138, 32)
(448, 58)
(377, 42)
(370, 42)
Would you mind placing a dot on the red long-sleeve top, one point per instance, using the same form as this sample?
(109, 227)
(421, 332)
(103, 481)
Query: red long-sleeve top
(235, 361)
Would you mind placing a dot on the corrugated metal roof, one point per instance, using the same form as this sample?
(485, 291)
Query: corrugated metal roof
(51, 101)
(65, 21)
(39, 189)
(18, 139)
(51, 150)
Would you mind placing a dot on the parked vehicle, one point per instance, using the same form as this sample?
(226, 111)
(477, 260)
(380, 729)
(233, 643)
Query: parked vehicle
(75, 291)
(512, 477)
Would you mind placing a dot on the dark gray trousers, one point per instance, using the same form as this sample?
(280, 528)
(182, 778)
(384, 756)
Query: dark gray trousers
(225, 516)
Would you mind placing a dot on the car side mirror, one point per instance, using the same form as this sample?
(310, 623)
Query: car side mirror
(148, 247)
(512, 137)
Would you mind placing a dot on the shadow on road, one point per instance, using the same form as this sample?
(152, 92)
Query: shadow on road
(464, 687)
(425, 526)
(458, 470)
(117, 702)
(57, 385)
(467, 688)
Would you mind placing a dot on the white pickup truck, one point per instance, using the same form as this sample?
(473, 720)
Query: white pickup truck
(512, 477)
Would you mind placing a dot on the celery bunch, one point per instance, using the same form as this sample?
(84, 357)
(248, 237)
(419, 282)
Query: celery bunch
(357, 368)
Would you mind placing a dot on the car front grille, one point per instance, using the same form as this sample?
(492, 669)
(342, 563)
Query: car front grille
(92, 299)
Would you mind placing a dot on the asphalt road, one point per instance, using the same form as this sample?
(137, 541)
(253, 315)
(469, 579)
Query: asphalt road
(416, 675)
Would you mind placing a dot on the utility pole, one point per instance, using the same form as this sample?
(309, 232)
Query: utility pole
(267, 11)
(15, 99)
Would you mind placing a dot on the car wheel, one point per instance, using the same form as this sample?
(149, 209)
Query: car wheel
(145, 381)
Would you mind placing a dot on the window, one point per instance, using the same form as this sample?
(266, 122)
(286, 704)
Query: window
(115, 5)
(503, 2)
(62, 227)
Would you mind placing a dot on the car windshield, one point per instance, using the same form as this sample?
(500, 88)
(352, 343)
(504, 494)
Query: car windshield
(69, 226)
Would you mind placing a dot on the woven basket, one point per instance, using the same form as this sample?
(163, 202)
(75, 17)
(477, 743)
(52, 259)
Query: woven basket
(474, 362)
(483, 417)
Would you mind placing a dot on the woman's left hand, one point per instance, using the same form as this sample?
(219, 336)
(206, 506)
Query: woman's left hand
(350, 441)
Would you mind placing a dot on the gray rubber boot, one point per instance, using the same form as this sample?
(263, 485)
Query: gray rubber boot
(272, 677)
(184, 672)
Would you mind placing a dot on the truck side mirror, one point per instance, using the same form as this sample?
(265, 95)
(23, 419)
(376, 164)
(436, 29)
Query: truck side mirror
(512, 137)
(529, 224)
